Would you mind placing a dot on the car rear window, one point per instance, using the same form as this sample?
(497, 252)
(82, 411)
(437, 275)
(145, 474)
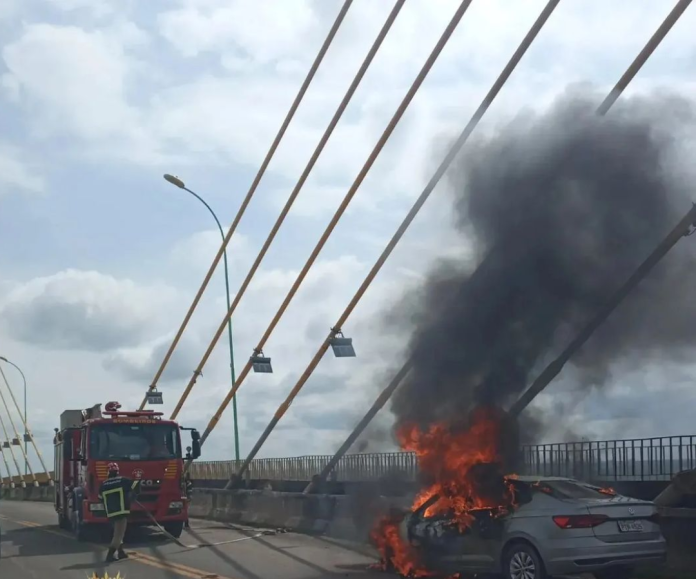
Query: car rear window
(574, 490)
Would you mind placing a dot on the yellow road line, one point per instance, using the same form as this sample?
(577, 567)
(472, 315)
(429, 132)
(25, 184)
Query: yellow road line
(137, 556)
(179, 567)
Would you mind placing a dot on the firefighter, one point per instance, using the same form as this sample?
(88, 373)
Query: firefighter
(115, 493)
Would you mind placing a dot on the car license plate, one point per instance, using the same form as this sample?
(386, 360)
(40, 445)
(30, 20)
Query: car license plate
(631, 526)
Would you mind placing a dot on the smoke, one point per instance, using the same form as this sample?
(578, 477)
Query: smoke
(560, 209)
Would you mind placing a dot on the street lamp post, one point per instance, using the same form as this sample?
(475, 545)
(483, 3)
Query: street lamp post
(180, 184)
(26, 433)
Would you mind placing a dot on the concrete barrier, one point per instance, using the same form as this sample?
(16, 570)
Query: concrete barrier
(335, 515)
(30, 493)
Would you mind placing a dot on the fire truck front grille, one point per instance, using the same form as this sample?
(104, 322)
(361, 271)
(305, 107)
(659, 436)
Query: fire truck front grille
(148, 498)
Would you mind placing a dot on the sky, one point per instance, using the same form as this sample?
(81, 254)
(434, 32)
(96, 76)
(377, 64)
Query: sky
(101, 257)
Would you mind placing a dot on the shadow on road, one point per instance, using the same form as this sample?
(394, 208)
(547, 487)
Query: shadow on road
(365, 551)
(29, 544)
(284, 551)
(245, 571)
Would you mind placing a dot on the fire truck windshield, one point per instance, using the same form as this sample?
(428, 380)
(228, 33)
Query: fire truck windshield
(134, 442)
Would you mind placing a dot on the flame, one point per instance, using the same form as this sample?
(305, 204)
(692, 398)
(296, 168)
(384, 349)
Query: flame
(106, 576)
(463, 471)
(395, 553)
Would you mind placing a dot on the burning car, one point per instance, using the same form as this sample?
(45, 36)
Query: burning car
(558, 526)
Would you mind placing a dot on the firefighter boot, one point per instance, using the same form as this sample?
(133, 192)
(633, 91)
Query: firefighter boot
(110, 556)
(122, 554)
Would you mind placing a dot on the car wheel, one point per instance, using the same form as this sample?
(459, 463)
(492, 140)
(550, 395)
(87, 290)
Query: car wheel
(614, 573)
(521, 561)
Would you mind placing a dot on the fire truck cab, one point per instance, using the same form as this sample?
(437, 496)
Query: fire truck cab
(146, 448)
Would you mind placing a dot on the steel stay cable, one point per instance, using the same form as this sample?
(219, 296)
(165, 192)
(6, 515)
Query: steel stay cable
(7, 466)
(24, 423)
(344, 204)
(603, 108)
(683, 229)
(643, 55)
(293, 196)
(441, 170)
(291, 113)
(14, 458)
(12, 423)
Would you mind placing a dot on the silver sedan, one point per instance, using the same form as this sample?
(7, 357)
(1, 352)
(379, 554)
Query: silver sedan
(561, 527)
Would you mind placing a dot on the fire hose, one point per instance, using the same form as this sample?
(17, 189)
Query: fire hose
(167, 534)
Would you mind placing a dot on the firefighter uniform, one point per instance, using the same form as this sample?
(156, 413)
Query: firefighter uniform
(115, 493)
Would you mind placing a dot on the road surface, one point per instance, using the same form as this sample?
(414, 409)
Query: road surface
(33, 547)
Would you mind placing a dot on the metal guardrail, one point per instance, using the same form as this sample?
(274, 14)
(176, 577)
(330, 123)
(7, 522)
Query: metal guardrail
(643, 459)
(352, 467)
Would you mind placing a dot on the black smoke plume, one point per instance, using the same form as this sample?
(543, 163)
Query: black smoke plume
(560, 209)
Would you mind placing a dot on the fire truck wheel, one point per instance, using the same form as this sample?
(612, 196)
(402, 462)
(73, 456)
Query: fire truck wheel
(521, 561)
(174, 529)
(63, 522)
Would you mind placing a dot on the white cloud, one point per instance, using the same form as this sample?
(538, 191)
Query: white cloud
(197, 251)
(75, 82)
(16, 175)
(9, 9)
(139, 364)
(98, 8)
(264, 31)
(84, 310)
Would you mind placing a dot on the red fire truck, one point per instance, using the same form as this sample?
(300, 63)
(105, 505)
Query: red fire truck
(145, 447)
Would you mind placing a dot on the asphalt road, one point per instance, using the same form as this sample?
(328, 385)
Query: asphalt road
(33, 547)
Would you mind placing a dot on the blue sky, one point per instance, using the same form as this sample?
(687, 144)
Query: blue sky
(101, 257)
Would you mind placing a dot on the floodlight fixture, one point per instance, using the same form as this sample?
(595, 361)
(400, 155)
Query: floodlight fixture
(342, 347)
(261, 364)
(154, 397)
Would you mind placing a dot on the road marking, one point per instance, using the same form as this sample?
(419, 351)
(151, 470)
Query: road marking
(179, 567)
(137, 556)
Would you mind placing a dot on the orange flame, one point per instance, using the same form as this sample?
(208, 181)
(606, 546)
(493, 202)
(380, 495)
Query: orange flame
(396, 555)
(463, 472)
